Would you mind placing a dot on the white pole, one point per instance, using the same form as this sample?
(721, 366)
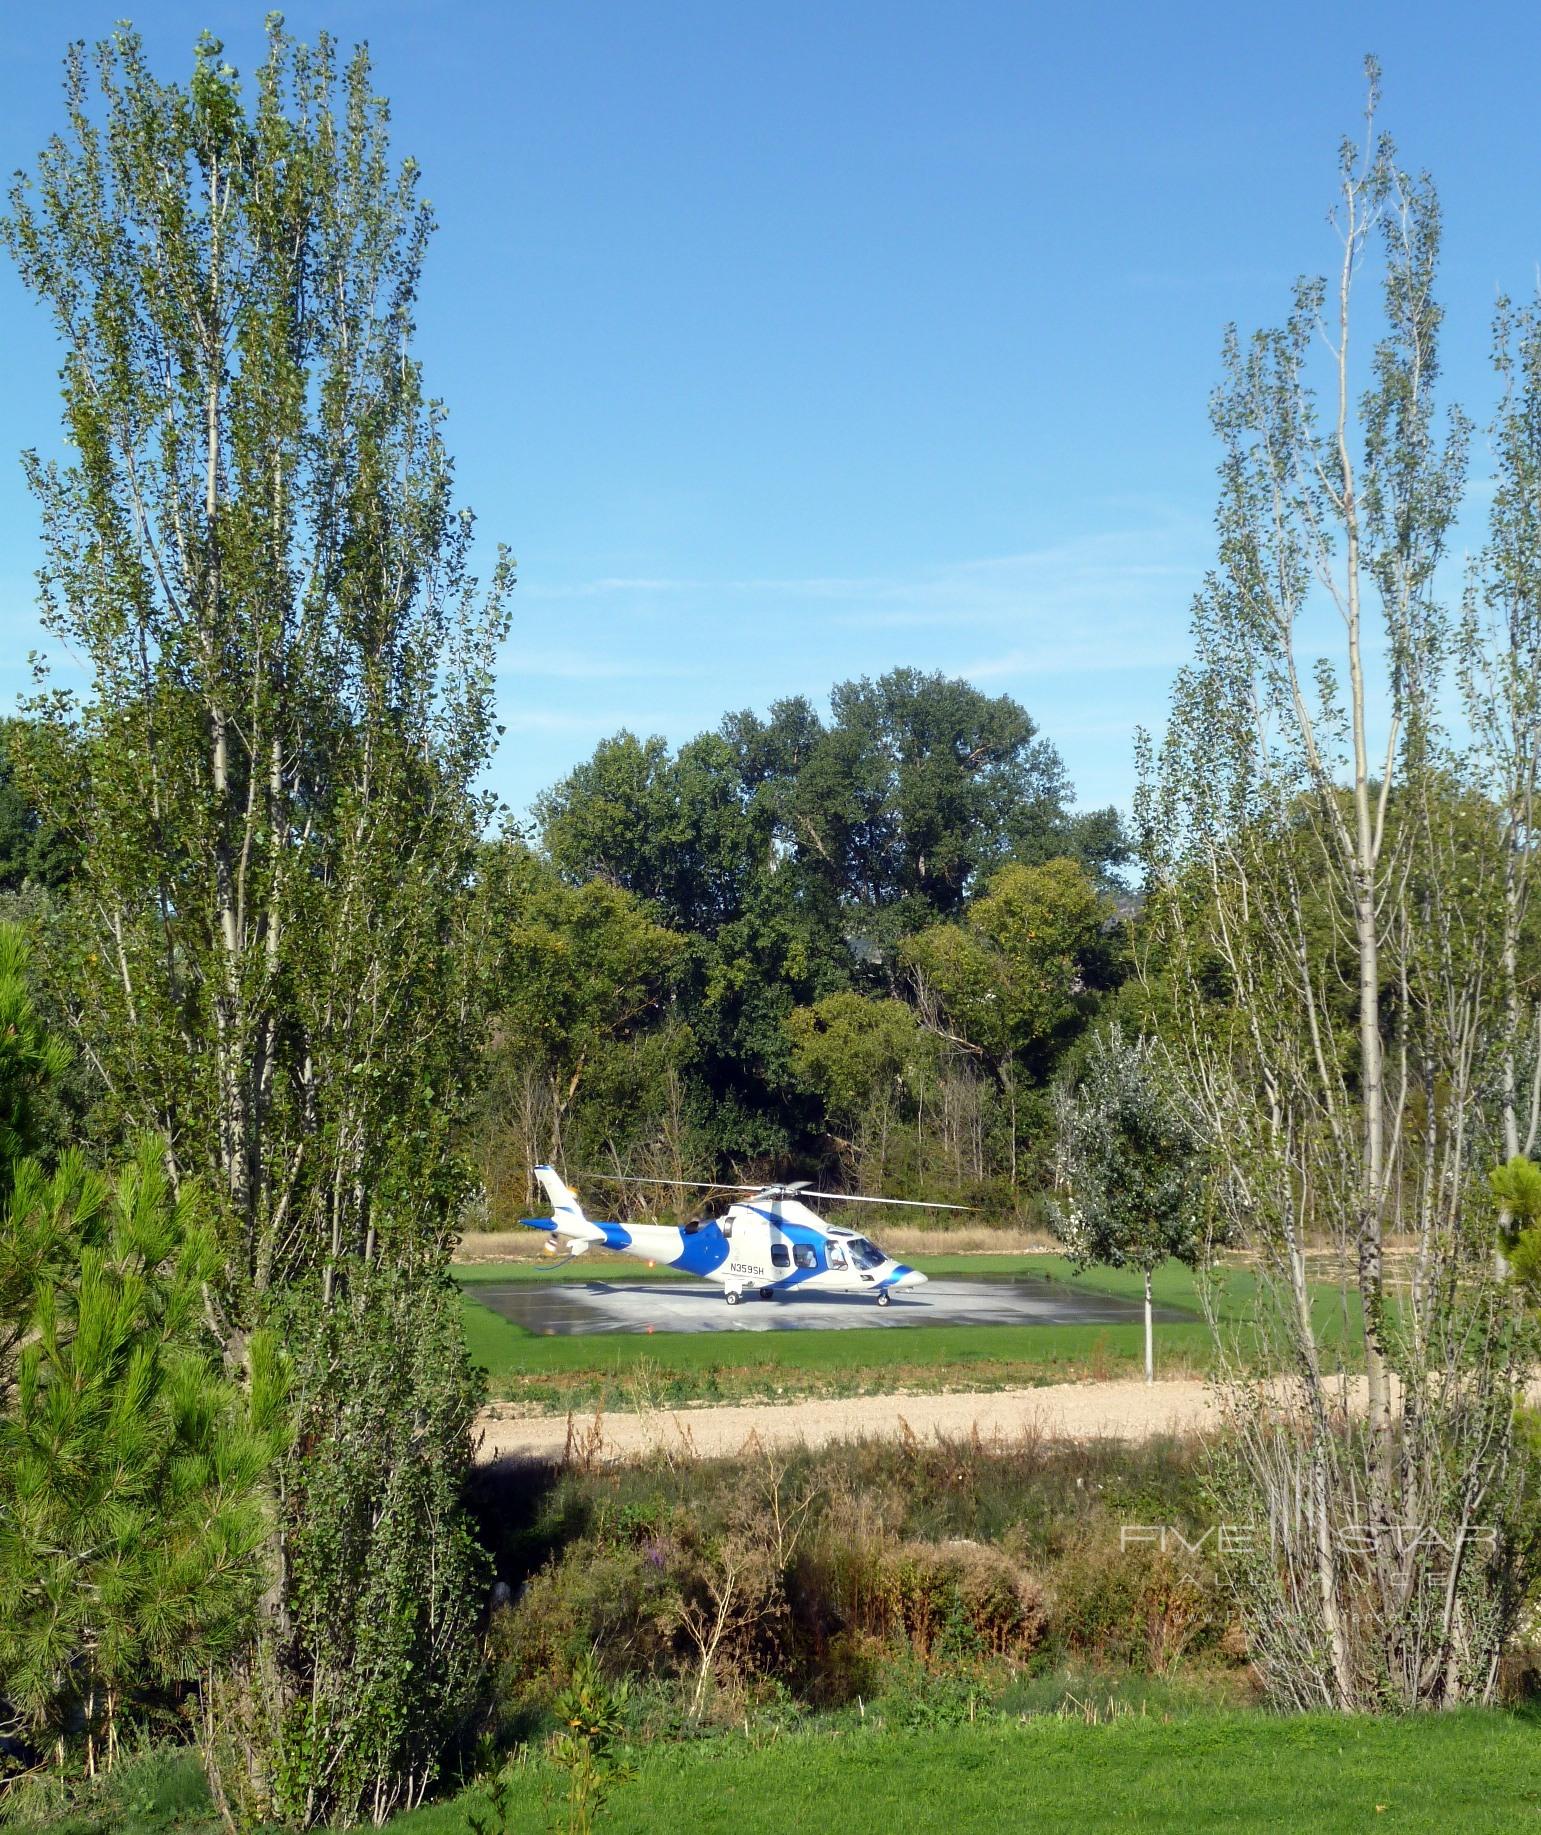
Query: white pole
(1150, 1343)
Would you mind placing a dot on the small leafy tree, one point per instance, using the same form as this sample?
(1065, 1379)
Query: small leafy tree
(592, 1717)
(1130, 1169)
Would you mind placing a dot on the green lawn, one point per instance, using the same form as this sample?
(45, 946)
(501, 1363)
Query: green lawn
(1436, 1774)
(1465, 1772)
(677, 1367)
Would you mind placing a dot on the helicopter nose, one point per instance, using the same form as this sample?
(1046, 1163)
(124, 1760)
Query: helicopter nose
(909, 1277)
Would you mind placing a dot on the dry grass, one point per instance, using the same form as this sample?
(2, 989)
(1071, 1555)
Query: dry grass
(501, 1246)
(902, 1239)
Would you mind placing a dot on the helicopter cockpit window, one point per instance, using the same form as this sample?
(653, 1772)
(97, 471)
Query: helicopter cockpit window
(780, 1255)
(804, 1256)
(836, 1256)
(864, 1254)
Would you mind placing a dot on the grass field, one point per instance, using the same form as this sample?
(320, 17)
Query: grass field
(674, 1368)
(1244, 1771)
(1470, 1772)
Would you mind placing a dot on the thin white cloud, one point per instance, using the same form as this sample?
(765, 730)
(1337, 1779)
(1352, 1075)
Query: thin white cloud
(556, 720)
(1090, 654)
(589, 666)
(1109, 601)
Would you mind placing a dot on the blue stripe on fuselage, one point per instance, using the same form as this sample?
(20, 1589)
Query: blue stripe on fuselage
(703, 1250)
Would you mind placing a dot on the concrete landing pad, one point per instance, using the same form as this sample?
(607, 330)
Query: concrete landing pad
(570, 1308)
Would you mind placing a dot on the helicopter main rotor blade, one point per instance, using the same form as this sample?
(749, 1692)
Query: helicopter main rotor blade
(795, 1190)
(918, 1204)
(626, 1178)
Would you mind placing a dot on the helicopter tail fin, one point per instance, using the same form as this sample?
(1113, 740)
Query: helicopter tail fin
(567, 1218)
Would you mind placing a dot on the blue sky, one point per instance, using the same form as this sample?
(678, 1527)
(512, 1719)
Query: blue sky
(788, 342)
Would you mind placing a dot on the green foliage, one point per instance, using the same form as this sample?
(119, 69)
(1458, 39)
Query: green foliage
(386, 1579)
(1336, 921)
(1019, 974)
(1150, 1608)
(1130, 1163)
(33, 851)
(591, 1721)
(254, 551)
(873, 1570)
(586, 1056)
(271, 948)
(1516, 1186)
(159, 1790)
(31, 1058)
(796, 856)
(132, 1517)
(853, 1050)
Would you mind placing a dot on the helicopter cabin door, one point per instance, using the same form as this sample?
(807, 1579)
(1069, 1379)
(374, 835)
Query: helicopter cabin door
(755, 1252)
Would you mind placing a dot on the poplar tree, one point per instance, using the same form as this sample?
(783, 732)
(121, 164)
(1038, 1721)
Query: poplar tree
(270, 788)
(1336, 888)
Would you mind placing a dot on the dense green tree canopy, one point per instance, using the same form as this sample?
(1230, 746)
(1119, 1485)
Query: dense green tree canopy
(915, 787)
(1026, 964)
(853, 1050)
(913, 852)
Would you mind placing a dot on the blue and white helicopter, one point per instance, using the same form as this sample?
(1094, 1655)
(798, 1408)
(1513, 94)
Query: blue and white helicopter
(768, 1243)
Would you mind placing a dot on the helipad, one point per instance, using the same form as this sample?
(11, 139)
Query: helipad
(567, 1308)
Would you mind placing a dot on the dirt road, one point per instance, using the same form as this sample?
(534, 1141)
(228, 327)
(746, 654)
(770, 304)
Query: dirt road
(1125, 1410)
(1080, 1411)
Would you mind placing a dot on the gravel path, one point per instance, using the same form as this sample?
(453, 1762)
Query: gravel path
(1127, 1410)
(1122, 1410)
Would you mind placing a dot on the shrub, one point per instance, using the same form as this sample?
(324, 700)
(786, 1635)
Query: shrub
(943, 1600)
(849, 1572)
(621, 1603)
(1140, 1607)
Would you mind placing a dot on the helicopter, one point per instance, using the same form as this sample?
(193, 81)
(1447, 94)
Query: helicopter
(769, 1242)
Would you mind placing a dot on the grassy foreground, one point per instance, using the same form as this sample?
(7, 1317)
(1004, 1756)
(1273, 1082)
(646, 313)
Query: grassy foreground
(1243, 1771)
(674, 1368)
(1426, 1775)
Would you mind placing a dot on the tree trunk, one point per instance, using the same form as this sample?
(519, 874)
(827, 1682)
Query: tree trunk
(1150, 1335)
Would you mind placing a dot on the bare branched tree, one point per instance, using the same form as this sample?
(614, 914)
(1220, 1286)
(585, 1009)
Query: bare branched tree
(1328, 871)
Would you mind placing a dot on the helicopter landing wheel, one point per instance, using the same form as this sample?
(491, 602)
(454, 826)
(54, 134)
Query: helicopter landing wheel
(883, 1298)
(732, 1297)
(767, 1293)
